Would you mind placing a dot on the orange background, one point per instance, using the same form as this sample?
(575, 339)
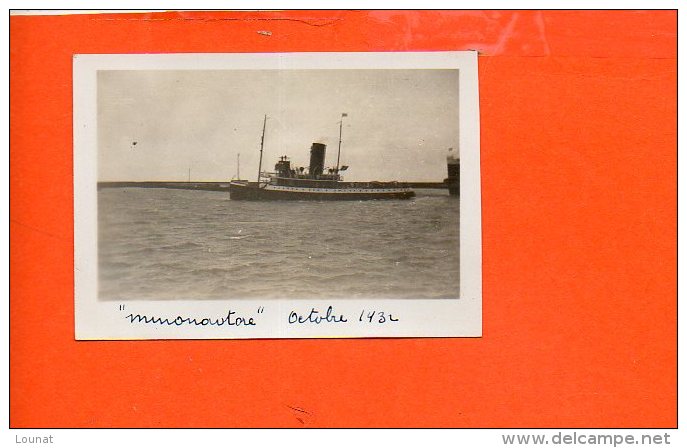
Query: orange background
(579, 193)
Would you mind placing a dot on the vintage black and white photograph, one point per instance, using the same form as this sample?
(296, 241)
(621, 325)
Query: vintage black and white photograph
(291, 186)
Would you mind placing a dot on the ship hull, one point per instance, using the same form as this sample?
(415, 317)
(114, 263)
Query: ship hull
(243, 192)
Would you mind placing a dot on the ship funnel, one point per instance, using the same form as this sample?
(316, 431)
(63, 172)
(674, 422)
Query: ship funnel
(317, 151)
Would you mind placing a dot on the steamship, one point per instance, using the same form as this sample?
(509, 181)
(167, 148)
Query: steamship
(314, 182)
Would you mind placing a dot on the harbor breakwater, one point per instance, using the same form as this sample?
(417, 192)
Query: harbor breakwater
(223, 186)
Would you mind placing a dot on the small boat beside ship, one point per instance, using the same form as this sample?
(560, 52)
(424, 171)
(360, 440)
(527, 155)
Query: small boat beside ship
(453, 179)
(315, 182)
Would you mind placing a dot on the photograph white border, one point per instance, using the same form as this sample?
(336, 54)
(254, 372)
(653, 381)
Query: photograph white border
(106, 320)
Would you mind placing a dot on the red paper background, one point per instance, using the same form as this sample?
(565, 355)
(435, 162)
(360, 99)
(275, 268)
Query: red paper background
(579, 194)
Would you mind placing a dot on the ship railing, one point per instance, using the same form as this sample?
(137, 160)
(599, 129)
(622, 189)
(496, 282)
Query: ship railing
(266, 178)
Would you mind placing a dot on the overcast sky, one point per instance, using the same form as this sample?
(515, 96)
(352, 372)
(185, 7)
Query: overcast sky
(400, 122)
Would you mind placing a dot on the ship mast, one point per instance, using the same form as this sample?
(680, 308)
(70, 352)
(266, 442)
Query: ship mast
(262, 145)
(238, 166)
(338, 155)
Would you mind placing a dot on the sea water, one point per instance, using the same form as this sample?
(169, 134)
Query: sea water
(165, 244)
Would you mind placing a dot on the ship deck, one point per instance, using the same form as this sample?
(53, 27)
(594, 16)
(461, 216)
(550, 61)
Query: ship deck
(248, 191)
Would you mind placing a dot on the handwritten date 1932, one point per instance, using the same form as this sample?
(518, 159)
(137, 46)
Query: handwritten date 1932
(376, 317)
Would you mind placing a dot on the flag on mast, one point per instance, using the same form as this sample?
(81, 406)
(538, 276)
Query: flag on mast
(344, 115)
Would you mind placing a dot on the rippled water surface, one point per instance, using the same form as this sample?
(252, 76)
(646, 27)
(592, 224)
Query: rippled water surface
(183, 244)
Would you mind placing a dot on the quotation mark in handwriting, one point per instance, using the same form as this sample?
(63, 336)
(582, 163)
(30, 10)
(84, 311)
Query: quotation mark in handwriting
(121, 307)
(261, 310)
